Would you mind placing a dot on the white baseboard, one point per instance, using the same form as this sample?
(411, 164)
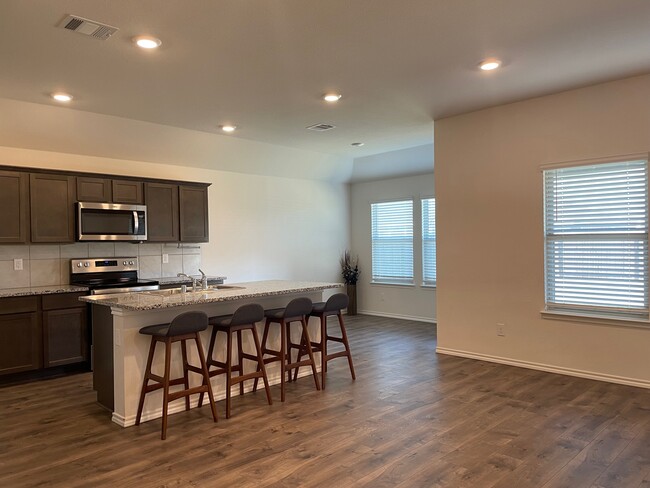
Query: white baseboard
(621, 380)
(179, 405)
(398, 316)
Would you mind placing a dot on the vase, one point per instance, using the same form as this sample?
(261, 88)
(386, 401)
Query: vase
(352, 297)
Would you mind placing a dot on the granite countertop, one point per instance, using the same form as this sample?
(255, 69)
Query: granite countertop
(41, 290)
(175, 280)
(152, 300)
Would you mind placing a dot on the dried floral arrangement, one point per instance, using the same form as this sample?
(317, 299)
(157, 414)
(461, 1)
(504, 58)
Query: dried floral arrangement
(350, 268)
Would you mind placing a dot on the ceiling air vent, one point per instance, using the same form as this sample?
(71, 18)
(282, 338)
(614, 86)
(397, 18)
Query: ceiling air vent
(321, 127)
(88, 27)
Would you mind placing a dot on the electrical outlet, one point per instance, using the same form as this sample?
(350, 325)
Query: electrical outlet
(18, 264)
(501, 330)
(165, 258)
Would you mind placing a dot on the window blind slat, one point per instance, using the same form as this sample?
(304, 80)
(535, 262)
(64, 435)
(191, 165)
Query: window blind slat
(596, 231)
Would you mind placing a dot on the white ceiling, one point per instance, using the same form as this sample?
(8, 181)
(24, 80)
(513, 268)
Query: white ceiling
(263, 64)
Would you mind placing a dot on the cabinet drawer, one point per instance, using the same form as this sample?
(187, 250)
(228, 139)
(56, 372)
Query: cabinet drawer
(63, 300)
(18, 304)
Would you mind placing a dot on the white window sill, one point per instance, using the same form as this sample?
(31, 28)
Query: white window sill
(427, 285)
(595, 319)
(388, 283)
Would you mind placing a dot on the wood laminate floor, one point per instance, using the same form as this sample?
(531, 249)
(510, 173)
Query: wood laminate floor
(411, 419)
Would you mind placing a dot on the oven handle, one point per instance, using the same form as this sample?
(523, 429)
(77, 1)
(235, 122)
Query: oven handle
(136, 222)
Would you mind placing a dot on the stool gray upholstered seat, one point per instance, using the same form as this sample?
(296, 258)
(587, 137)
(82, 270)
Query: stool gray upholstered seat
(296, 311)
(243, 319)
(182, 328)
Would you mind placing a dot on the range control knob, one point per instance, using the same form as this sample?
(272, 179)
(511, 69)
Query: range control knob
(131, 263)
(124, 263)
(87, 264)
(79, 265)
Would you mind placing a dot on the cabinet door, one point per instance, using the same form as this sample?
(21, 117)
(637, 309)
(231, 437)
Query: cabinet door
(14, 202)
(93, 189)
(21, 344)
(65, 336)
(52, 207)
(162, 212)
(193, 207)
(125, 191)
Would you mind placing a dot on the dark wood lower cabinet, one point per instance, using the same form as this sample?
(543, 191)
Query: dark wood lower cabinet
(21, 343)
(42, 332)
(64, 337)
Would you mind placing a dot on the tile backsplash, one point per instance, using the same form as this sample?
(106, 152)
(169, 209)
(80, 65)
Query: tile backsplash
(49, 264)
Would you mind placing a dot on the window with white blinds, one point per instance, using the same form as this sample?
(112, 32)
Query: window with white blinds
(429, 241)
(596, 226)
(392, 242)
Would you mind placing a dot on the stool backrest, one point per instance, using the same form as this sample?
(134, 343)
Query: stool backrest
(336, 302)
(188, 323)
(297, 307)
(247, 314)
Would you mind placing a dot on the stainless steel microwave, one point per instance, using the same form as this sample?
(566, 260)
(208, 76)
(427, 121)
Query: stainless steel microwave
(111, 222)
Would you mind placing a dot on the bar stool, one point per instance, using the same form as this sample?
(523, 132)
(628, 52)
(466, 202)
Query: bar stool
(244, 318)
(333, 306)
(182, 328)
(295, 311)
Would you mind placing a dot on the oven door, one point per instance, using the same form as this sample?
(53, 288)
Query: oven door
(111, 222)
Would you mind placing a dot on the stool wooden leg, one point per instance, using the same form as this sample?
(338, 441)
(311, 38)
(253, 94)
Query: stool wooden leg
(240, 358)
(168, 355)
(344, 336)
(213, 338)
(310, 353)
(260, 364)
(228, 372)
(323, 348)
(147, 372)
(206, 376)
(283, 356)
(265, 336)
(186, 377)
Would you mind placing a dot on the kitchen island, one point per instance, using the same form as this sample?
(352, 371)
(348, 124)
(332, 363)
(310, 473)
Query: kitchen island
(120, 351)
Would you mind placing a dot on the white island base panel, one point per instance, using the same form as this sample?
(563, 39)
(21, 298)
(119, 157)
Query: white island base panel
(130, 349)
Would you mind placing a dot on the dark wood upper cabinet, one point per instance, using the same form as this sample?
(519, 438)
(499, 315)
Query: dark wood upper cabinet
(193, 210)
(94, 189)
(52, 198)
(126, 191)
(162, 212)
(14, 202)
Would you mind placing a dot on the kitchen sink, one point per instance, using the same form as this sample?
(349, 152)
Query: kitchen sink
(177, 291)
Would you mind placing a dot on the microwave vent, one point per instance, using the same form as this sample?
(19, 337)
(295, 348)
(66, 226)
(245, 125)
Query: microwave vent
(88, 27)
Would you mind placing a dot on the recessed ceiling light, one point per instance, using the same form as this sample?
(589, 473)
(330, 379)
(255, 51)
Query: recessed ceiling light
(228, 128)
(332, 97)
(61, 97)
(489, 64)
(357, 144)
(147, 42)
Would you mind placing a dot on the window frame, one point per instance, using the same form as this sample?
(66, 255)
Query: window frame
(428, 283)
(588, 314)
(409, 282)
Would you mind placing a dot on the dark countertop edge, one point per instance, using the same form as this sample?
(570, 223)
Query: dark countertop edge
(41, 290)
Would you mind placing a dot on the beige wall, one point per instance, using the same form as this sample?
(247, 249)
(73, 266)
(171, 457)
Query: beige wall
(412, 302)
(490, 228)
(261, 227)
